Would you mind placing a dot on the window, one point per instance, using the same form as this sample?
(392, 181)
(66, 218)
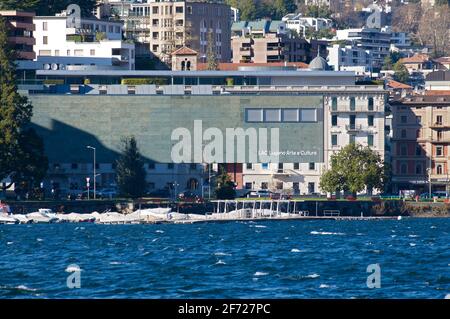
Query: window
(312, 166)
(352, 104)
(351, 138)
(334, 120)
(151, 165)
(308, 115)
(403, 133)
(296, 186)
(439, 120)
(370, 140)
(45, 39)
(155, 10)
(264, 185)
(254, 115)
(249, 166)
(56, 52)
(45, 52)
(192, 166)
(334, 104)
(178, 9)
(370, 105)
(440, 135)
(296, 165)
(68, 52)
(78, 52)
(419, 169)
(439, 151)
(403, 150)
(419, 119)
(290, 115)
(74, 166)
(439, 169)
(370, 120)
(311, 187)
(279, 185)
(265, 165)
(272, 115)
(418, 150)
(403, 168)
(403, 119)
(92, 52)
(44, 26)
(248, 185)
(170, 166)
(334, 140)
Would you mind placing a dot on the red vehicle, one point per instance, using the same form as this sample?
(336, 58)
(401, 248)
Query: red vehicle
(190, 197)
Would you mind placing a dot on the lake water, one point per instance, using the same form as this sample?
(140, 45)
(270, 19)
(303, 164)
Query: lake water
(272, 259)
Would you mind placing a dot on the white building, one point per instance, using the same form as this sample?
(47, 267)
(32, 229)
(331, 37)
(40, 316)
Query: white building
(235, 15)
(300, 24)
(345, 58)
(376, 41)
(93, 43)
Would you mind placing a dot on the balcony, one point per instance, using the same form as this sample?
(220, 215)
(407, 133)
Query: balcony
(282, 172)
(440, 125)
(353, 127)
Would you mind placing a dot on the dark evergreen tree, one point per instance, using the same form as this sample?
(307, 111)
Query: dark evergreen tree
(225, 186)
(130, 170)
(21, 149)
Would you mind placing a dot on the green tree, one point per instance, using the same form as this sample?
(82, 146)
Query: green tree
(225, 186)
(390, 60)
(353, 169)
(211, 56)
(401, 74)
(247, 9)
(317, 12)
(48, 7)
(130, 172)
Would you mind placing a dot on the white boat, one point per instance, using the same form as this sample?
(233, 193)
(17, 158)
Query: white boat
(21, 219)
(44, 215)
(8, 220)
(76, 218)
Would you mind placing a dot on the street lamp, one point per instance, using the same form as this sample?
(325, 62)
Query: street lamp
(95, 175)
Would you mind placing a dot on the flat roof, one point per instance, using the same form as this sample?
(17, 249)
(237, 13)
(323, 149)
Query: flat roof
(265, 73)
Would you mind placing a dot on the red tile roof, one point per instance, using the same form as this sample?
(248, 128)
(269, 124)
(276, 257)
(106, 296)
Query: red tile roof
(235, 66)
(398, 85)
(417, 58)
(184, 51)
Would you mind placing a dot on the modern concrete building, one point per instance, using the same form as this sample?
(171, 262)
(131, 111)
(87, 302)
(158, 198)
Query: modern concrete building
(344, 57)
(301, 24)
(168, 25)
(20, 33)
(62, 44)
(313, 112)
(420, 143)
(266, 41)
(375, 41)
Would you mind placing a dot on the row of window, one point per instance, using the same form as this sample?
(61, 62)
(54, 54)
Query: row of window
(311, 166)
(370, 120)
(94, 27)
(280, 185)
(351, 139)
(268, 115)
(419, 169)
(334, 104)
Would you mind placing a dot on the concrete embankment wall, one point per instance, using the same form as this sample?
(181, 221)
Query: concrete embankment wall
(345, 208)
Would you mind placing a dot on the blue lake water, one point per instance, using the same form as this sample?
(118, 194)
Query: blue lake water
(274, 259)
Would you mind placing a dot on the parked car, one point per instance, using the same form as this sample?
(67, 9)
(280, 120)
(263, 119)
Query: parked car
(438, 194)
(190, 197)
(260, 193)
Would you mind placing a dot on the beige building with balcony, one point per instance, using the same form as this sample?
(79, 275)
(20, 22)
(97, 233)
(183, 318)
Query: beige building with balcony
(420, 143)
(169, 25)
(20, 32)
